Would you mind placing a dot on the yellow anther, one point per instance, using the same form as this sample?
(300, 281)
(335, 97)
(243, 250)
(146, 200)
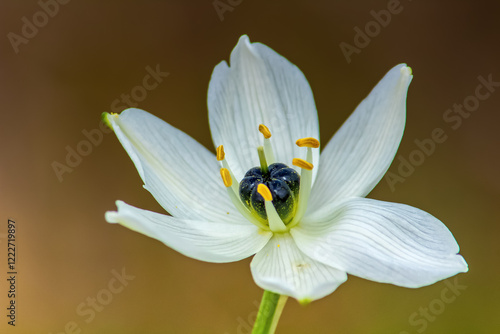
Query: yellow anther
(265, 131)
(264, 191)
(226, 177)
(302, 164)
(307, 142)
(220, 153)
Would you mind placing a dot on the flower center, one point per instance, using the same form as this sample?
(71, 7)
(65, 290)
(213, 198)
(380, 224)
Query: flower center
(273, 197)
(283, 183)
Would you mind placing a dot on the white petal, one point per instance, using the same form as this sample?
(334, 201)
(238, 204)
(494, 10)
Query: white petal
(381, 241)
(180, 173)
(201, 240)
(260, 87)
(282, 268)
(361, 151)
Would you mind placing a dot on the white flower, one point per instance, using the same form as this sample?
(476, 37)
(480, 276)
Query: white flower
(340, 232)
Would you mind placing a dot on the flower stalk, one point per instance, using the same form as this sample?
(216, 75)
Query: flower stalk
(269, 314)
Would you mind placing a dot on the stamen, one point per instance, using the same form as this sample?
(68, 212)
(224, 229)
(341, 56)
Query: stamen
(263, 161)
(267, 143)
(221, 156)
(265, 131)
(302, 164)
(220, 153)
(305, 185)
(307, 142)
(226, 177)
(275, 222)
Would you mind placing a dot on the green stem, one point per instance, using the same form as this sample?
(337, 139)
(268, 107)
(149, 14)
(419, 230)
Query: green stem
(270, 310)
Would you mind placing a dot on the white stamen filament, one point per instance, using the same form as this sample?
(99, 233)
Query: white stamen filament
(268, 149)
(221, 156)
(236, 185)
(275, 222)
(304, 192)
(235, 198)
(243, 210)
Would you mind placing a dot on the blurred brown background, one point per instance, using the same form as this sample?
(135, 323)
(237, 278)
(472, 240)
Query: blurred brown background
(89, 53)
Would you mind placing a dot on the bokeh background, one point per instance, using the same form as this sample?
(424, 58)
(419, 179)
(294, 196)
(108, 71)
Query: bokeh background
(89, 53)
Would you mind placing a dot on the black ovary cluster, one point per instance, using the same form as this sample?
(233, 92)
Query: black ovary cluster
(284, 184)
